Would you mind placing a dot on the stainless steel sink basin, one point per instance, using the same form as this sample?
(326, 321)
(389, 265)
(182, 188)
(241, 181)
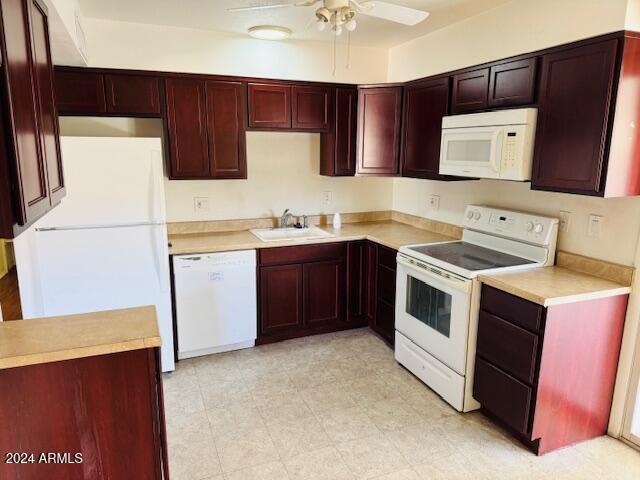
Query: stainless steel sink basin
(284, 234)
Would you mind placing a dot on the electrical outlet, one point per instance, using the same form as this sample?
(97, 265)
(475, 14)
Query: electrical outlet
(200, 204)
(596, 224)
(327, 198)
(434, 202)
(565, 220)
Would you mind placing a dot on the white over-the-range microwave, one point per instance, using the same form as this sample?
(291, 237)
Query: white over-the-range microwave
(489, 145)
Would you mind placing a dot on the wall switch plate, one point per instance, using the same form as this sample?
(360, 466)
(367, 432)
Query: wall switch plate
(200, 204)
(327, 198)
(434, 202)
(596, 224)
(565, 220)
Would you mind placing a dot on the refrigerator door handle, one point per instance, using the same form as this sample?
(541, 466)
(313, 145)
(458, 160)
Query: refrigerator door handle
(99, 226)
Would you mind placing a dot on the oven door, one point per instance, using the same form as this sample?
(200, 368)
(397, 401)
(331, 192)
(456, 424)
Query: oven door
(432, 310)
(471, 151)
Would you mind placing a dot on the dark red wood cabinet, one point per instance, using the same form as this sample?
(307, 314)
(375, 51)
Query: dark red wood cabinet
(108, 408)
(205, 127)
(548, 373)
(311, 107)
(470, 91)
(269, 106)
(574, 118)
(34, 181)
(132, 94)
(513, 84)
(302, 291)
(79, 92)
(361, 274)
(383, 322)
(425, 103)
(338, 145)
(379, 123)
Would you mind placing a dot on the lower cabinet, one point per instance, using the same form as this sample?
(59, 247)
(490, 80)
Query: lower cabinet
(384, 319)
(548, 373)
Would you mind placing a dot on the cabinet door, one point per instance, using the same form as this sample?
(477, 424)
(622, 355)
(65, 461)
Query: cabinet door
(470, 91)
(31, 192)
(269, 106)
(371, 282)
(280, 299)
(338, 146)
(324, 292)
(512, 84)
(186, 122)
(43, 73)
(573, 118)
(132, 94)
(80, 93)
(379, 120)
(386, 293)
(311, 108)
(358, 269)
(226, 129)
(424, 106)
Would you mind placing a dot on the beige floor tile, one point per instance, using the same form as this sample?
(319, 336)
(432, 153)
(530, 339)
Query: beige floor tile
(326, 398)
(250, 449)
(370, 457)
(182, 378)
(310, 374)
(267, 385)
(295, 436)
(183, 401)
(393, 414)
(283, 407)
(346, 369)
(404, 474)
(421, 443)
(347, 424)
(323, 464)
(225, 392)
(192, 454)
(267, 471)
(371, 388)
(234, 419)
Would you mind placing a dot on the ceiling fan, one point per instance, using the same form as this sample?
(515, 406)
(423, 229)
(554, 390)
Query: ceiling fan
(339, 13)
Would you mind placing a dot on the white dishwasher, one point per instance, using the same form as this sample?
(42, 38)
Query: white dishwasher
(216, 303)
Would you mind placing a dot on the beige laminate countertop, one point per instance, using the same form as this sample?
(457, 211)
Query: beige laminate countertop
(389, 233)
(554, 285)
(30, 342)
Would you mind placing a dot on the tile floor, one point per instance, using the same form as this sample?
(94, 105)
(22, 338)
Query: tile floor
(338, 407)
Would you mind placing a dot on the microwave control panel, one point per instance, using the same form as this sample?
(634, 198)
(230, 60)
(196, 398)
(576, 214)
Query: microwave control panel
(517, 152)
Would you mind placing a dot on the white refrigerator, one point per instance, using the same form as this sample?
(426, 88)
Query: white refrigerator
(105, 247)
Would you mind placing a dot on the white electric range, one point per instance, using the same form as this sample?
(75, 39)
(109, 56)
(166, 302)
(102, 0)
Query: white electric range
(438, 294)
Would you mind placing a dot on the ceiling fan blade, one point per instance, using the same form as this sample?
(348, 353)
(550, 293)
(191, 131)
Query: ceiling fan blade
(274, 5)
(392, 12)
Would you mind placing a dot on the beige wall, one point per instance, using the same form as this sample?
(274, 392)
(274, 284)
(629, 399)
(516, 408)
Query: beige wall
(154, 47)
(516, 27)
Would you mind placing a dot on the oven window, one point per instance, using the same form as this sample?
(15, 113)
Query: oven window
(469, 151)
(429, 305)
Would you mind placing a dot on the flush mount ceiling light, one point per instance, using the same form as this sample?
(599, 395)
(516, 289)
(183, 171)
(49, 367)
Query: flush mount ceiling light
(270, 32)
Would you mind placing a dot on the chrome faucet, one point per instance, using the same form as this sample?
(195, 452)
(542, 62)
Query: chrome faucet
(284, 219)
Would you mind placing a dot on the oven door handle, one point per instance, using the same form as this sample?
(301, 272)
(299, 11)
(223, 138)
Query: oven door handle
(452, 281)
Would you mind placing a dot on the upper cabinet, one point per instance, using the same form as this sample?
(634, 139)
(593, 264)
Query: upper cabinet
(269, 106)
(425, 104)
(338, 145)
(470, 91)
(586, 140)
(290, 107)
(81, 92)
(379, 121)
(512, 84)
(205, 129)
(32, 180)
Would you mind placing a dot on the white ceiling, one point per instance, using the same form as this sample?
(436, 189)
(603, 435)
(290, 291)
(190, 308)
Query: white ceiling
(213, 15)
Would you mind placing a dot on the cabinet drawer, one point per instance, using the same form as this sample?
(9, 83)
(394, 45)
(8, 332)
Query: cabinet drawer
(512, 348)
(303, 253)
(387, 257)
(501, 394)
(514, 309)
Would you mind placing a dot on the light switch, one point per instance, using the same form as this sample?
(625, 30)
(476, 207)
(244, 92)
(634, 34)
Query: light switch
(596, 224)
(434, 202)
(200, 204)
(327, 198)
(565, 220)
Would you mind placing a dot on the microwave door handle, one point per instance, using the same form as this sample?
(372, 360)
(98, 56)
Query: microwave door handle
(496, 150)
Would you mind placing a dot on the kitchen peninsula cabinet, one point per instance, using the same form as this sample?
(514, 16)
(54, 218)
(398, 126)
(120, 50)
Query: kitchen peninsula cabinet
(338, 145)
(379, 123)
(548, 373)
(32, 182)
(302, 291)
(205, 126)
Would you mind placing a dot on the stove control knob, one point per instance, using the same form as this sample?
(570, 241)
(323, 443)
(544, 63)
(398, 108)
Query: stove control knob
(529, 226)
(538, 228)
(476, 215)
(470, 214)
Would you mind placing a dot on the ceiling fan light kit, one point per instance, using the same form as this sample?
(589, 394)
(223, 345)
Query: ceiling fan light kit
(270, 32)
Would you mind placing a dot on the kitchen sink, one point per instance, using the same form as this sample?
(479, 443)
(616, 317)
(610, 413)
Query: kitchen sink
(284, 234)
